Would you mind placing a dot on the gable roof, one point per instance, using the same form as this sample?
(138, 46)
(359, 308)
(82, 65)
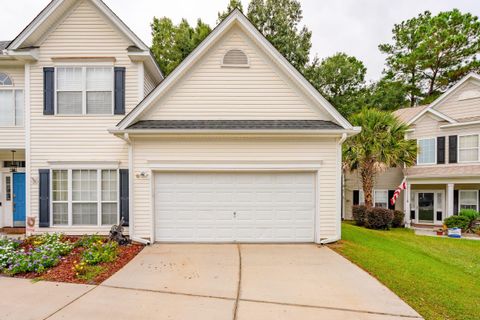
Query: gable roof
(407, 114)
(53, 13)
(235, 17)
(431, 108)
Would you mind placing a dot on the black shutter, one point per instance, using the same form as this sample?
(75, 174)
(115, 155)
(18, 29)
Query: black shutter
(48, 91)
(455, 202)
(44, 198)
(356, 197)
(390, 196)
(124, 196)
(440, 150)
(452, 149)
(119, 90)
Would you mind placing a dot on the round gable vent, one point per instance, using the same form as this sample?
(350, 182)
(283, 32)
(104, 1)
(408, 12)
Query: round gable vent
(235, 58)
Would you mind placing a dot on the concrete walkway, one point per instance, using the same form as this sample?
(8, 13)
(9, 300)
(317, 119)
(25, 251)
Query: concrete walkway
(173, 281)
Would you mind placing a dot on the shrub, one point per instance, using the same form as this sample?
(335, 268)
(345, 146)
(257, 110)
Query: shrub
(359, 214)
(472, 216)
(461, 222)
(379, 218)
(398, 219)
(100, 252)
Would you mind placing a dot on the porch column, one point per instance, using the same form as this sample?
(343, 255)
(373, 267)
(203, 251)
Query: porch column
(450, 188)
(406, 204)
(2, 218)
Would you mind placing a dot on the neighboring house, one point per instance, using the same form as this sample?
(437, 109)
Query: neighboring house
(446, 177)
(235, 145)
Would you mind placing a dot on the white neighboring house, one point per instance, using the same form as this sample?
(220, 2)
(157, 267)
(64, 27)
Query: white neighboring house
(446, 177)
(234, 145)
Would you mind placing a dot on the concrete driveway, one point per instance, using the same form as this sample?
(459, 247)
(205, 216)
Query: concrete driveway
(174, 281)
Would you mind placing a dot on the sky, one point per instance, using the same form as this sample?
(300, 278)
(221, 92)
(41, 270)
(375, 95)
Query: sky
(355, 27)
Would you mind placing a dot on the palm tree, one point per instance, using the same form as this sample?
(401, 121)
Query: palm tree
(380, 145)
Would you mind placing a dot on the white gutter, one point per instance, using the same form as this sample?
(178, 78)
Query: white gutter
(342, 140)
(126, 138)
(452, 125)
(235, 131)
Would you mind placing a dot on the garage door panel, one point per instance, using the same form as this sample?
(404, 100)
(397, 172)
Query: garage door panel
(270, 207)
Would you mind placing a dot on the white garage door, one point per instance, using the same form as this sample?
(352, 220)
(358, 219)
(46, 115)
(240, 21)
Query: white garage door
(226, 207)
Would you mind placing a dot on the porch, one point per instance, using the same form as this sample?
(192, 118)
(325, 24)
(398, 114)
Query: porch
(428, 202)
(12, 190)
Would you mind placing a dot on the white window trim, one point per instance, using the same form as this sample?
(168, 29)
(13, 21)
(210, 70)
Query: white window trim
(360, 193)
(380, 190)
(84, 90)
(70, 201)
(434, 149)
(460, 198)
(14, 90)
(458, 148)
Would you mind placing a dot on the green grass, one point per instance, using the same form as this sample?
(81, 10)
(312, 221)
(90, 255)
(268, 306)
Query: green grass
(438, 277)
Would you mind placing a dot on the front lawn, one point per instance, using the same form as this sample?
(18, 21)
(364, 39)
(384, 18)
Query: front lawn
(438, 277)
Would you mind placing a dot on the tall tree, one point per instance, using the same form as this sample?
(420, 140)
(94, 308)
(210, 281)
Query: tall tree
(278, 21)
(232, 5)
(172, 43)
(403, 57)
(340, 79)
(430, 53)
(386, 94)
(381, 144)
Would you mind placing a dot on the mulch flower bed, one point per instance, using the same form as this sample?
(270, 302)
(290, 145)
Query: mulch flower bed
(67, 268)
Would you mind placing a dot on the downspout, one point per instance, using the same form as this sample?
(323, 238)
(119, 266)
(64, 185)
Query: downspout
(338, 237)
(131, 227)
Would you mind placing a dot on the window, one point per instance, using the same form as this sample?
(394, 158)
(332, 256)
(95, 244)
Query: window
(5, 80)
(11, 103)
(361, 196)
(84, 90)
(468, 199)
(427, 151)
(8, 188)
(60, 197)
(380, 198)
(85, 197)
(468, 148)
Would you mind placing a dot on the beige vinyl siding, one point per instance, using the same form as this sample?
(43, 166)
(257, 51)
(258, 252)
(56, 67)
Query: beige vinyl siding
(84, 32)
(458, 108)
(388, 180)
(149, 83)
(13, 137)
(210, 91)
(320, 152)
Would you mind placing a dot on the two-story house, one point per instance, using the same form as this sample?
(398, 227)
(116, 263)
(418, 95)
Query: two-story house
(234, 145)
(446, 177)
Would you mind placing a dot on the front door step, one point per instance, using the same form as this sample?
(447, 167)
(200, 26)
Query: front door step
(14, 230)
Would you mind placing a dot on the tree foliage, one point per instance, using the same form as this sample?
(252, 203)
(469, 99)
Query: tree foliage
(278, 21)
(431, 53)
(232, 5)
(172, 43)
(340, 79)
(380, 144)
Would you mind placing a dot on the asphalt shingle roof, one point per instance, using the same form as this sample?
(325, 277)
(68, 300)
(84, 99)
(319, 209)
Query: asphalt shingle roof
(235, 124)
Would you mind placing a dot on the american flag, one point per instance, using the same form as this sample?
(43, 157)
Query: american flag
(397, 192)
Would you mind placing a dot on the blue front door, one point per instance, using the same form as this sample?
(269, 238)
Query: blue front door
(18, 199)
